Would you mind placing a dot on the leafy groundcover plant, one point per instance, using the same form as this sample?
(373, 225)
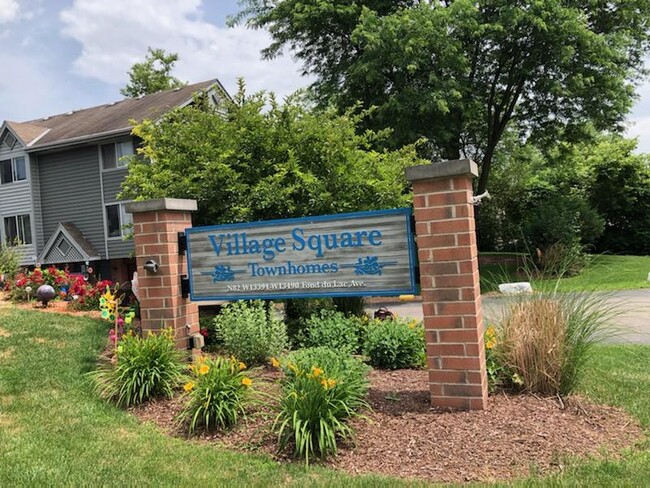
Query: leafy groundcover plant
(395, 344)
(321, 390)
(216, 395)
(544, 340)
(251, 332)
(146, 367)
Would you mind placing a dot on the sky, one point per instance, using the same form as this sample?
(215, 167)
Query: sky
(62, 55)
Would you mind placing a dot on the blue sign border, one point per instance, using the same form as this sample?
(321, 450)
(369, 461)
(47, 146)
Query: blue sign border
(410, 244)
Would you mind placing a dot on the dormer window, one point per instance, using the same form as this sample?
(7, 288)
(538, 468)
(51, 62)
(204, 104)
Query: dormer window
(12, 170)
(113, 154)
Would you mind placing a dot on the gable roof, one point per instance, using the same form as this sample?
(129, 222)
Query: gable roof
(79, 248)
(105, 120)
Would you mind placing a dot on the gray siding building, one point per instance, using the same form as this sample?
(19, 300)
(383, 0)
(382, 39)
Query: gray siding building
(60, 178)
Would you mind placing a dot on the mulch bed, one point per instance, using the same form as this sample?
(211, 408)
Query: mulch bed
(402, 436)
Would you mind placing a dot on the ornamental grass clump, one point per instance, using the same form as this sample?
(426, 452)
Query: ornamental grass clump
(146, 367)
(251, 332)
(216, 395)
(543, 341)
(395, 344)
(321, 391)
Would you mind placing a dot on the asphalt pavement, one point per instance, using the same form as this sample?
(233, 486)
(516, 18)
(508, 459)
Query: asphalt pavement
(631, 319)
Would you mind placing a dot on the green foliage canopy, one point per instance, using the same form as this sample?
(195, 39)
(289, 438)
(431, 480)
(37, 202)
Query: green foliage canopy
(462, 72)
(152, 75)
(547, 196)
(253, 158)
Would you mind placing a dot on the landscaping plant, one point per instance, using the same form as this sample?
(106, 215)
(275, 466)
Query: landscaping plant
(395, 344)
(545, 339)
(321, 390)
(9, 263)
(146, 367)
(334, 330)
(216, 394)
(251, 332)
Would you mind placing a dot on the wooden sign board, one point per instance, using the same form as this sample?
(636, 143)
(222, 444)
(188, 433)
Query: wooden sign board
(355, 254)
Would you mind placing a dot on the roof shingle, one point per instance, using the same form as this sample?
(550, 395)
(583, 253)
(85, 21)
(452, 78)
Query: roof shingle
(104, 119)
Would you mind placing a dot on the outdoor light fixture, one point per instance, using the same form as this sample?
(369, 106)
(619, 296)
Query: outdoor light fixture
(151, 265)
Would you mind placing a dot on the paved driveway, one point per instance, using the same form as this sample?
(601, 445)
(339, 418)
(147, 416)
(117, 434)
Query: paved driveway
(632, 318)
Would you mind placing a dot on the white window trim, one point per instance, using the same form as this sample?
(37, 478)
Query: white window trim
(13, 169)
(118, 166)
(121, 215)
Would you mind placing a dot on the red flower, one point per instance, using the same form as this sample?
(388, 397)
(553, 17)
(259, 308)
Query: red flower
(204, 332)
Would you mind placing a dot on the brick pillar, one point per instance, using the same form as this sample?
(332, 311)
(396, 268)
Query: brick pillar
(156, 224)
(451, 298)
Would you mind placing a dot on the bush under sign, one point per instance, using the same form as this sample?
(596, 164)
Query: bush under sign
(355, 254)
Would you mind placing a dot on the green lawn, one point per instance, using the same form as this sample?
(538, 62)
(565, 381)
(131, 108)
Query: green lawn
(603, 273)
(53, 431)
(607, 272)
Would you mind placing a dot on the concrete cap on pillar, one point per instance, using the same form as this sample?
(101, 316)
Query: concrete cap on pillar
(161, 204)
(444, 169)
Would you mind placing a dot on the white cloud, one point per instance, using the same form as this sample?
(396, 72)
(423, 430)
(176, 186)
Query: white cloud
(8, 11)
(114, 35)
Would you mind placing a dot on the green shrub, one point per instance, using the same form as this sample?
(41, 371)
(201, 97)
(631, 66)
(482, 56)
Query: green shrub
(334, 330)
(146, 367)
(350, 306)
(9, 262)
(296, 313)
(216, 395)
(321, 390)
(395, 344)
(543, 341)
(250, 331)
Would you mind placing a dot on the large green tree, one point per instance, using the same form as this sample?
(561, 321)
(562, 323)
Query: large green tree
(152, 75)
(462, 72)
(253, 158)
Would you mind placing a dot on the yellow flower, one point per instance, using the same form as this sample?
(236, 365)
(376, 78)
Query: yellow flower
(246, 381)
(317, 371)
(275, 363)
(242, 366)
(204, 369)
(328, 383)
(189, 386)
(490, 344)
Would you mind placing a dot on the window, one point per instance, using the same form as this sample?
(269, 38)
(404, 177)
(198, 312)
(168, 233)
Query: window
(13, 170)
(9, 140)
(18, 230)
(113, 154)
(63, 246)
(117, 219)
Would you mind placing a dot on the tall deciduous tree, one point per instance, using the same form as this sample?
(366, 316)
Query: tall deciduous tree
(152, 75)
(255, 159)
(461, 72)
